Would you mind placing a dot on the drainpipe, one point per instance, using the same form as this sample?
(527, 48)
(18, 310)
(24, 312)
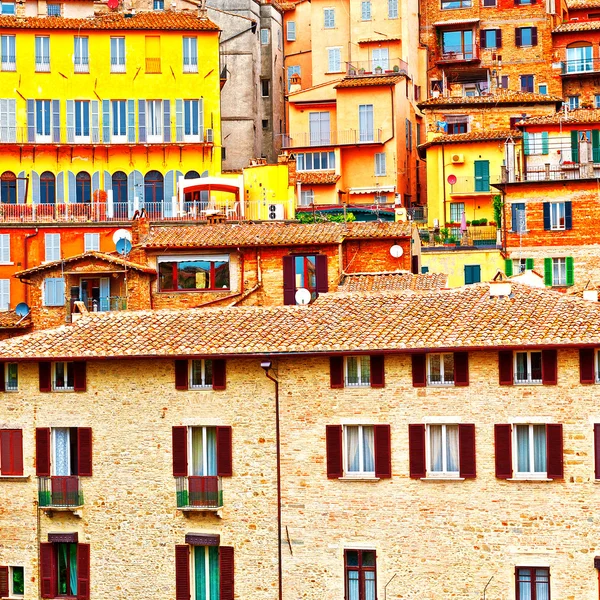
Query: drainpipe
(444, 179)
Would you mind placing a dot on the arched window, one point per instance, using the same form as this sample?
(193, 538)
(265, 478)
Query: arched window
(579, 57)
(192, 175)
(119, 187)
(47, 188)
(154, 188)
(8, 187)
(83, 187)
(192, 196)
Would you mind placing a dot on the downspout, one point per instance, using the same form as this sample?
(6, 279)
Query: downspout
(444, 179)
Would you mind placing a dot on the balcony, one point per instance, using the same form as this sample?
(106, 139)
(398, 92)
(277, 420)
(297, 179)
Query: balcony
(153, 65)
(580, 67)
(459, 54)
(548, 172)
(417, 214)
(471, 185)
(348, 137)
(475, 237)
(199, 493)
(117, 65)
(62, 493)
(83, 66)
(368, 68)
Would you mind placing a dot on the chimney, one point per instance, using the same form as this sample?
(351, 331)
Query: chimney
(499, 289)
(140, 228)
(295, 83)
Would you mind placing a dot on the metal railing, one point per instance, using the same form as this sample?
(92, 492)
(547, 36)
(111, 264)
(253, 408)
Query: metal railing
(42, 64)
(475, 236)
(83, 66)
(9, 63)
(190, 64)
(153, 65)
(333, 138)
(471, 185)
(417, 214)
(199, 492)
(59, 492)
(465, 53)
(566, 171)
(580, 66)
(117, 65)
(368, 68)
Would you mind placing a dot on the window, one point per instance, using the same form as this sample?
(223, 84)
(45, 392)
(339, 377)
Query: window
(334, 60)
(5, 248)
(440, 369)
(319, 128)
(328, 18)
(91, 241)
(119, 120)
(315, 161)
(559, 271)
(54, 291)
(117, 55)
(457, 210)
(519, 220)
(8, 187)
(392, 9)
(292, 70)
(83, 188)
(573, 102)
(201, 374)
(490, 38)
(526, 36)
(11, 452)
(449, 4)
(530, 450)
(528, 367)
(153, 54)
(64, 566)
(11, 377)
(365, 10)
(63, 379)
(4, 294)
(8, 50)
(526, 83)
(482, 175)
(52, 244)
(489, 3)
(82, 120)
(457, 123)
(380, 60)
(53, 10)
(42, 53)
(193, 126)
(543, 89)
(379, 164)
(520, 265)
(359, 444)
(159, 5)
(7, 8)
(579, 59)
(265, 85)
(504, 82)
(307, 197)
(204, 567)
(190, 55)
(472, 274)
(279, 36)
(557, 215)
(80, 55)
(365, 123)
(535, 143)
(597, 101)
(193, 273)
(457, 45)
(357, 371)
(47, 188)
(42, 121)
(533, 583)
(264, 36)
(154, 120)
(442, 451)
(119, 187)
(291, 31)
(360, 574)
(12, 582)
(306, 274)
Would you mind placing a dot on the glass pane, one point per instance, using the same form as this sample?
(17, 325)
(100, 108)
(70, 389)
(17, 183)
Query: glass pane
(523, 448)
(353, 592)
(18, 581)
(435, 375)
(12, 376)
(73, 568)
(542, 584)
(211, 451)
(365, 370)
(352, 558)
(353, 449)
(370, 585)
(61, 451)
(536, 366)
(213, 572)
(448, 368)
(452, 448)
(196, 373)
(352, 370)
(368, 447)
(198, 451)
(522, 373)
(63, 561)
(208, 372)
(539, 448)
(222, 275)
(193, 275)
(200, 572)
(299, 263)
(70, 375)
(435, 439)
(165, 275)
(368, 559)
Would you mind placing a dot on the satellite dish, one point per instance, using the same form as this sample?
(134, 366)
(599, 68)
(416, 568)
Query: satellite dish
(302, 296)
(396, 251)
(120, 234)
(22, 309)
(451, 179)
(112, 4)
(123, 246)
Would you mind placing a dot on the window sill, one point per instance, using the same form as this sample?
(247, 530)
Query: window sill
(200, 387)
(528, 383)
(442, 478)
(364, 478)
(529, 479)
(440, 385)
(14, 477)
(6, 264)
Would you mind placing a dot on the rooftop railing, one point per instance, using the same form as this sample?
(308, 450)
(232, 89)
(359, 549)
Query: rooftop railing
(332, 138)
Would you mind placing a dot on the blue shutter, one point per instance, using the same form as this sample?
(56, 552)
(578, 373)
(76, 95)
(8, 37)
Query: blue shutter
(515, 219)
(60, 187)
(142, 120)
(35, 187)
(568, 215)
(72, 188)
(167, 120)
(169, 185)
(70, 121)
(135, 187)
(131, 121)
(106, 121)
(179, 120)
(30, 120)
(547, 223)
(21, 188)
(95, 182)
(107, 181)
(201, 118)
(48, 292)
(56, 121)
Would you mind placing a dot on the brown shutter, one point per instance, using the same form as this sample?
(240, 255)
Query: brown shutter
(416, 450)
(419, 370)
(534, 36)
(586, 365)
(84, 451)
(321, 273)
(549, 368)
(11, 452)
(289, 280)
(79, 376)
(498, 38)
(83, 571)
(3, 582)
(518, 37)
(503, 451)
(45, 371)
(554, 451)
(333, 443)
(226, 573)
(383, 451)
(182, 572)
(219, 374)
(597, 450)
(336, 371)
(482, 38)
(2, 383)
(224, 452)
(42, 452)
(461, 368)
(180, 464)
(47, 570)
(181, 374)
(377, 371)
(466, 450)
(505, 367)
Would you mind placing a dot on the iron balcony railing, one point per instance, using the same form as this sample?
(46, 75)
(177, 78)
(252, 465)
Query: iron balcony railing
(59, 492)
(153, 65)
(566, 171)
(9, 63)
(417, 214)
(332, 138)
(383, 66)
(190, 64)
(580, 66)
(465, 53)
(117, 65)
(42, 63)
(473, 185)
(83, 66)
(480, 236)
(196, 492)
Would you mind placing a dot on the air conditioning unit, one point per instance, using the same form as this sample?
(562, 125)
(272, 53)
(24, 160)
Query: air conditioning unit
(209, 136)
(276, 212)
(458, 158)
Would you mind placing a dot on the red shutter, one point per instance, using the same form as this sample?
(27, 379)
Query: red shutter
(42, 452)
(419, 370)
(333, 443)
(549, 368)
(554, 451)
(336, 371)
(377, 371)
(84, 451)
(224, 452)
(47, 570)
(180, 464)
(181, 374)
(461, 368)
(79, 376)
(505, 367)
(45, 369)
(219, 374)
(466, 450)
(503, 450)
(321, 273)
(11, 452)
(597, 450)
(416, 449)
(2, 382)
(226, 573)
(3, 582)
(383, 451)
(289, 280)
(586, 365)
(83, 571)
(182, 572)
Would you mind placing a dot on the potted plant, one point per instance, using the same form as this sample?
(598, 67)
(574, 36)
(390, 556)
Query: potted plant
(361, 71)
(378, 70)
(396, 69)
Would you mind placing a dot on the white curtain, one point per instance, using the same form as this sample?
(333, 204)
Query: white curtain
(370, 591)
(435, 442)
(204, 451)
(452, 448)
(353, 449)
(353, 585)
(61, 451)
(542, 586)
(523, 449)
(539, 448)
(368, 448)
(197, 451)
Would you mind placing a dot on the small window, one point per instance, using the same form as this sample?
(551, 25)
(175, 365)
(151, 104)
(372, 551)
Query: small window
(359, 452)
(440, 369)
(442, 451)
(519, 217)
(265, 123)
(530, 451)
(533, 583)
(11, 453)
(53, 10)
(526, 36)
(200, 374)
(543, 89)
(392, 9)
(11, 377)
(526, 83)
(360, 574)
(557, 216)
(265, 88)
(472, 274)
(63, 377)
(328, 18)
(489, 3)
(334, 60)
(307, 197)
(291, 31)
(54, 291)
(519, 265)
(365, 10)
(4, 294)
(264, 36)
(573, 102)
(52, 245)
(380, 167)
(559, 271)
(91, 241)
(528, 367)
(490, 38)
(357, 371)
(450, 4)
(457, 210)
(16, 582)
(7, 8)
(193, 273)
(159, 5)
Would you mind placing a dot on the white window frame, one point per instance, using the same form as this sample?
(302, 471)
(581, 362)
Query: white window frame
(329, 18)
(559, 265)
(334, 59)
(80, 106)
(91, 242)
(7, 382)
(66, 387)
(188, 57)
(366, 123)
(380, 164)
(457, 210)
(7, 41)
(392, 9)
(53, 12)
(290, 31)
(366, 12)
(51, 246)
(529, 380)
(114, 138)
(11, 592)
(519, 265)
(188, 105)
(44, 47)
(307, 197)
(117, 59)
(156, 108)
(302, 161)
(5, 249)
(442, 382)
(81, 64)
(361, 474)
(46, 108)
(203, 385)
(515, 457)
(557, 213)
(573, 102)
(444, 473)
(362, 382)
(535, 143)
(204, 429)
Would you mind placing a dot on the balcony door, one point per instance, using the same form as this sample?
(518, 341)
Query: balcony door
(320, 132)
(579, 59)
(457, 45)
(380, 58)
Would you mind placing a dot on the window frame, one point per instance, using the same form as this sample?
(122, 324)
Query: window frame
(444, 473)
(7, 4)
(307, 196)
(302, 161)
(118, 57)
(190, 54)
(363, 381)
(530, 33)
(442, 382)
(461, 4)
(329, 18)
(94, 246)
(190, 450)
(81, 46)
(361, 569)
(43, 64)
(69, 374)
(573, 102)
(393, 9)
(290, 31)
(334, 59)
(529, 380)
(380, 164)
(8, 60)
(559, 263)
(203, 379)
(527, 82)
(532, 581)
(47, 257)
(11, 582)
(361, 473)
(54, 279)
(531, 451)
(175, 260)
(265, 36)
(8, 380)
(366, 10)
(557, 213)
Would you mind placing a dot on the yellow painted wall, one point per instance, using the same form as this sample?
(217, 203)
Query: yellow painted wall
(452, 262)
(265, 185)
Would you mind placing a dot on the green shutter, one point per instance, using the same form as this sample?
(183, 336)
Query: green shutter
(575, 146)
(529, 264)
(526, 143)
(508, 267)
(570, 270)
(544, 142)
(547, 271)
(596, 146)
(482, 175)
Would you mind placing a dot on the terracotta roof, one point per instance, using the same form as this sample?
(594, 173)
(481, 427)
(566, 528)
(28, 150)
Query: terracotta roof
(379, 39)
(316, 178)
(506, 97)
(11, 320)
(286, 6)
(577, 26)
(99, 256)
(473, 136)
(355, 322)
(268, 234)
(167, 20)
(580, 115)
(350, 82)
(456, 22)
(377, 282)
(576, 4)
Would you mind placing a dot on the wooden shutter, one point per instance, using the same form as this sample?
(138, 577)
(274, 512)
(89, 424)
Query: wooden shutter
(505, 367)
(142, 121)
(219, 374)
(83, 571)
(508, 267)
(569, 213)
(79, 375)
(419, 370)
(548, 271)
(182, 572)
(575, 146)
(289, 280)
(47, 570)
(45, 374)
(336, 371)
(534, 36)
(597, 450)
(570, 270)
(383, 451)
(180, 463)
(498, 38)
(333, 443)
(529, 264)
(518, 36)
(416, 451)
(42, 452)
(321, 273)
(554, 451)
(226, 573)
(482, 38)
(181, 375)
(466, 450)
(3, 582)
(586, 365)
(461, 368)
(84, 451)
(224, 452)
(11, 452)
(503, 451)
(547, 223)
(549, 367)
(377, 371)
(167, 129)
